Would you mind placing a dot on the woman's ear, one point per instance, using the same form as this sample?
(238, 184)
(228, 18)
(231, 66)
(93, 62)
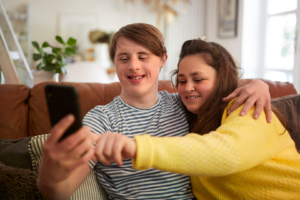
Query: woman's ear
(163, 60)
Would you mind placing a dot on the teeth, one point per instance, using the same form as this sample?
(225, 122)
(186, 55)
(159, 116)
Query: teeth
(137, 77)
(191, 97)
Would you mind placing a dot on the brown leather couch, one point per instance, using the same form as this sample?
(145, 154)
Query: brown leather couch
(23, 110)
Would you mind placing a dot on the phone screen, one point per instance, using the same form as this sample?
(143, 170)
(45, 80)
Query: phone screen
(61, 101)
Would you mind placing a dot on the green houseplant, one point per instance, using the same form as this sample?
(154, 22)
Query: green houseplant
(55, 61)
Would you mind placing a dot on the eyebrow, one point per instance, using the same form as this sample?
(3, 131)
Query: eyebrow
(192, 74)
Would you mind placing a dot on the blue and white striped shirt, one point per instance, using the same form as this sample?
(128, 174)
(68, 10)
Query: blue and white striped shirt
(165, 118)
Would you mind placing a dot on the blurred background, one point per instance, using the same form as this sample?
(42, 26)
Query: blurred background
(262, 35)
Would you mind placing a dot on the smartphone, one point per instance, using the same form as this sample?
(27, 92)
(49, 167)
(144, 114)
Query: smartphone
(63, 100)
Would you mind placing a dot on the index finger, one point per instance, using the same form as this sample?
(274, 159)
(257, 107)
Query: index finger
(231, 96)
(58, 130)
(95, 137)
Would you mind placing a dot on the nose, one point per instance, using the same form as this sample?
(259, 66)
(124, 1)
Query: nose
(134, 64)
(189, 86)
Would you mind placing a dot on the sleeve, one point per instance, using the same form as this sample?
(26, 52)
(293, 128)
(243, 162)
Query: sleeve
(98, 121)
(240, 143)
(176, 99)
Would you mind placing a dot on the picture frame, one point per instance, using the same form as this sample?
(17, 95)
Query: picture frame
(228, 16)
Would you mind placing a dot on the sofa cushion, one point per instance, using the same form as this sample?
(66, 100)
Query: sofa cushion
(15, 153)
(289, 107)
(14, 111)
(89, 189)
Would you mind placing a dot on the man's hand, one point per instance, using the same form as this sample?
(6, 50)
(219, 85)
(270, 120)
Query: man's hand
(60, 159)
(255, 93)
(114, 147)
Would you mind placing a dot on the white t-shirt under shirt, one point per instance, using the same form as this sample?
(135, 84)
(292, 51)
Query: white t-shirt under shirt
(165, 118)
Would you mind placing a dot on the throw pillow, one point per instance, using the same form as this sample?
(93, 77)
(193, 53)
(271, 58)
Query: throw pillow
(15, 153)
(289, 107)
(89, 189)
(17, 183)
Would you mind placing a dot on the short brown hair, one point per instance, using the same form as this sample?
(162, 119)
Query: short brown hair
(144, 34)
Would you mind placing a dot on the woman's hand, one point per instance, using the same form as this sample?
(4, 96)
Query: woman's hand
(60, 159)
(114, 147)
(255, 93)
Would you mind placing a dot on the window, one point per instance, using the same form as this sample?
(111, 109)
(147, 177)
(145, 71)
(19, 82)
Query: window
(271, 40)
(280, 40)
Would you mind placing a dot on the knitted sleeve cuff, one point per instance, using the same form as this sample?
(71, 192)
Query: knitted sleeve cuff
(145, 154)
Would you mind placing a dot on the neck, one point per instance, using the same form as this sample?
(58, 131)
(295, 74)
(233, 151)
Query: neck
(143, 102)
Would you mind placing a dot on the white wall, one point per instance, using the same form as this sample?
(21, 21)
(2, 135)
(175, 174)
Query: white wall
(188, 26)
(112, 15)
(233, 45)
(253, 41)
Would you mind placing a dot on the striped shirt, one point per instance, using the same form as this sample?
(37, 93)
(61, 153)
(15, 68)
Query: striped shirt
(165, 118)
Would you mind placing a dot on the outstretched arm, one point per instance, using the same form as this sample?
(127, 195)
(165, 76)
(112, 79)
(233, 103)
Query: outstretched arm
(219, 153)
(255, 93)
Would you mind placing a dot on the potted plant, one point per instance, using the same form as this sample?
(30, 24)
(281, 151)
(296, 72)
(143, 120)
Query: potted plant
(53, 63)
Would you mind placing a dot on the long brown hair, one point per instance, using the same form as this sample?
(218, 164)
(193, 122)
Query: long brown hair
(144, 34)
(210, 114)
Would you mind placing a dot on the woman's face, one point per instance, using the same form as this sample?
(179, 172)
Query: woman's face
(196, 81)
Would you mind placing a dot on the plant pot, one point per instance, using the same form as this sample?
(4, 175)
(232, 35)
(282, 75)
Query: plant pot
(41, 76)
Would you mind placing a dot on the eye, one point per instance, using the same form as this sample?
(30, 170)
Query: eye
(143, 57)
(182, 81)
(123, 58)
(197, 80)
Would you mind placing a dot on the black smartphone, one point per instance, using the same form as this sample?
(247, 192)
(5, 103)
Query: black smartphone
(63, 100)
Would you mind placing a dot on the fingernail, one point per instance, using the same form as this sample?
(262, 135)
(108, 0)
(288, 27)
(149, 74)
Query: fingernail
(256, 116)
(228, 112)
(242, 113)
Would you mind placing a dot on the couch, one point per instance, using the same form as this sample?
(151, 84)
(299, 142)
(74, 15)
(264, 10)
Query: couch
(24, 114)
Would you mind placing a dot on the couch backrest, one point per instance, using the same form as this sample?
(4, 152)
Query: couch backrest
(90, 95)
(24, 111)
(14, 111)
(277, 89)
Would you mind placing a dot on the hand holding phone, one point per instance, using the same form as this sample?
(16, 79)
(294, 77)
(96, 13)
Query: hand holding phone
(61, 101)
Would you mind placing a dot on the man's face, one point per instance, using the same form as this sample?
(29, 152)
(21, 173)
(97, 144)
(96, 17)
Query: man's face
(137, 68)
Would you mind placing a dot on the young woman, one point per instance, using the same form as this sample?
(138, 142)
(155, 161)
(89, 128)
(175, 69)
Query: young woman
(138, 52)
(226, 156)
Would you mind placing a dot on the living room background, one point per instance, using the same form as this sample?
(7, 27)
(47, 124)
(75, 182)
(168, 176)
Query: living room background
(47, 18)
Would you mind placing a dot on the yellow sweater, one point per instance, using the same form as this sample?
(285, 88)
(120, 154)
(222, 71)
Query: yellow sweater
(243, 159)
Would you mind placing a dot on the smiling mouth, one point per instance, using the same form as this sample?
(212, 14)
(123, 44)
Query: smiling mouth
(192, 97)
(136, 78)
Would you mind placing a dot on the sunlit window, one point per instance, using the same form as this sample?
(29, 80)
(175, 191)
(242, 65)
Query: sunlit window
(279, 6)
(280, 40)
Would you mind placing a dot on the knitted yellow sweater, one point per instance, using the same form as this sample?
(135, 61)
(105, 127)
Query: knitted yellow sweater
(243, 159)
